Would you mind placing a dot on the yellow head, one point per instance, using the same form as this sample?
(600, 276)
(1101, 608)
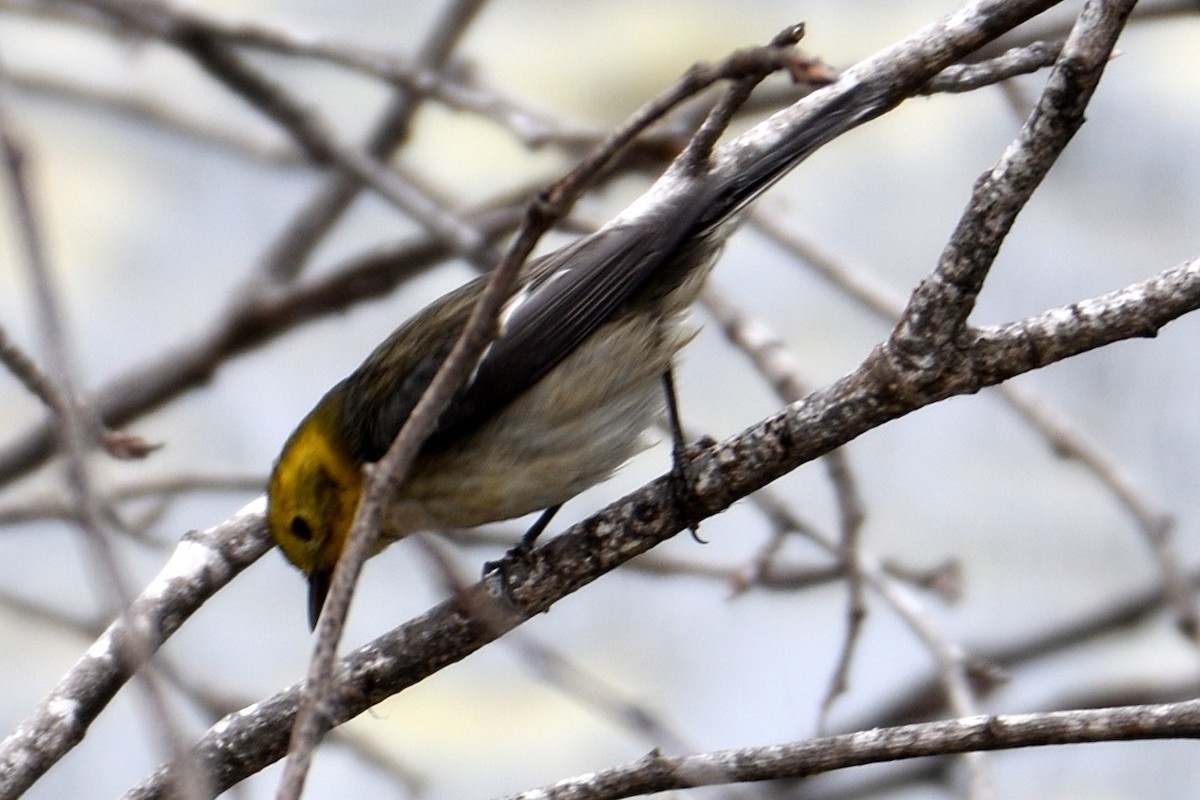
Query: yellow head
(313, 494)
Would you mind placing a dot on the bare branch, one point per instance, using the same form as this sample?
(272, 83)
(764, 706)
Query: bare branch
(657, 772)
(202, 563)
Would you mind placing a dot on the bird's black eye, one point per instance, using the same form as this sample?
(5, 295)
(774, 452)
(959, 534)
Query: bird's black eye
(301, 529)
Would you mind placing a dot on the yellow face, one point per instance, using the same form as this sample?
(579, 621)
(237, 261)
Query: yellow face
(312, 498)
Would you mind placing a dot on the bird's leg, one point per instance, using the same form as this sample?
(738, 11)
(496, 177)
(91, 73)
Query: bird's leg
(524, 547)
(681, 461)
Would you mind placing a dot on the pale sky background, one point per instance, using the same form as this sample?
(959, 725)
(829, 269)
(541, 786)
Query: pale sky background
(149, 233)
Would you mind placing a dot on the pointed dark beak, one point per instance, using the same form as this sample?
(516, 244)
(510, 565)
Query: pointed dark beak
(318, 588)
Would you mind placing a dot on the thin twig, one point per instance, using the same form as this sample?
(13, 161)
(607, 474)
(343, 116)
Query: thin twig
(52, 505)
(392, 469)
(658, 772)
(771, 358)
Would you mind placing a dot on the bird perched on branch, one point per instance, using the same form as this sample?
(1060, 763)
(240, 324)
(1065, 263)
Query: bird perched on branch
(564, 394)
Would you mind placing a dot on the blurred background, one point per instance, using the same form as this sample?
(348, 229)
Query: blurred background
(151, 230)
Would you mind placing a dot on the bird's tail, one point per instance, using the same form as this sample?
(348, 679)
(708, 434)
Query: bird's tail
(753, 162)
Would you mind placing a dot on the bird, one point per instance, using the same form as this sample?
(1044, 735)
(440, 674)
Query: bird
(559, 400)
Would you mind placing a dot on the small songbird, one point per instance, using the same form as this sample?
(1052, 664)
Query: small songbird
(558, 401)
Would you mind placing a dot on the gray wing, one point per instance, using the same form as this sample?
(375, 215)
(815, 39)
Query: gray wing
(574, 292)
